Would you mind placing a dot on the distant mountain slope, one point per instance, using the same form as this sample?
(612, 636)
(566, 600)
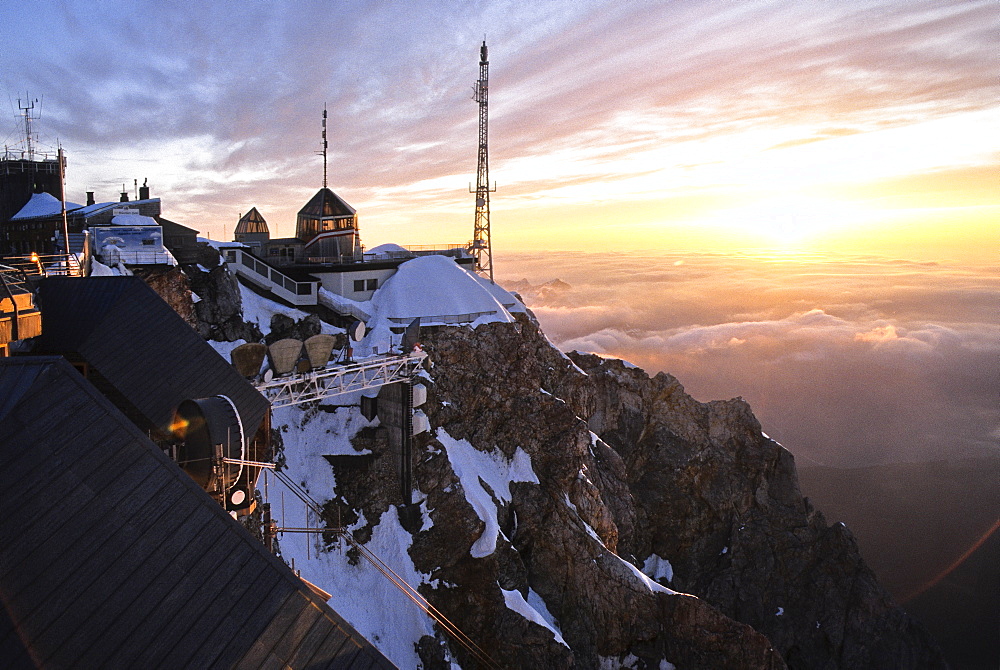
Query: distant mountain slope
(914, 522)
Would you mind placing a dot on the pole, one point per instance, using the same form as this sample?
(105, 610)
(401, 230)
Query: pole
(62, 198)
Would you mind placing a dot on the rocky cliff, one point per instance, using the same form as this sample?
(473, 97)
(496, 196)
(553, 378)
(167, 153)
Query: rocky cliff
(548, 485)
(567, 512)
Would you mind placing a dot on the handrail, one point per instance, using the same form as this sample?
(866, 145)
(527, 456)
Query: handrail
(242, 261)
(45, 265)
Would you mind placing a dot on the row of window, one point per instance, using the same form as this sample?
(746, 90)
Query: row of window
(365, 285)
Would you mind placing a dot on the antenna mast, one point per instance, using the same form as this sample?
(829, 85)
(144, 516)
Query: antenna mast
(27, 125)
(324, 145)
(481, 247)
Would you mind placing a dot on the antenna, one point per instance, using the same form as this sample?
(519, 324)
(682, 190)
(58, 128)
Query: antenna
(28, 118)
(481, 247)
(325, 144)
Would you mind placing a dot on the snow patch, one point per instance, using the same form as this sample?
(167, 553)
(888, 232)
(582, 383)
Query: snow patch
(473, 467)
(516, 602)
(224, 349)
(259, 310)
(650, 584)
(656, 567)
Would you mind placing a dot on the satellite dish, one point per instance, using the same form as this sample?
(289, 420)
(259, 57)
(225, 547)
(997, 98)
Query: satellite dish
(411, 336)
(239, 495)
(268, 375)
(203, 426)
(356, 331)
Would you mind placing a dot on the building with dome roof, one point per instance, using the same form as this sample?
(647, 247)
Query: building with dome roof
(252, 230)
(328, 227)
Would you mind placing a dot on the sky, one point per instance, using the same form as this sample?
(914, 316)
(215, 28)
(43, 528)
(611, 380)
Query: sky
(794, 202)
(714, 126)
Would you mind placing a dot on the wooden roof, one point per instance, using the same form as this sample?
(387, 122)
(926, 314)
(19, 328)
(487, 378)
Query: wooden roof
(125, 331)
(112, 557)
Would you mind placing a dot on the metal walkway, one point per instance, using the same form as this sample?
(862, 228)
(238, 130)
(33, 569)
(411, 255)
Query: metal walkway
(321, 384)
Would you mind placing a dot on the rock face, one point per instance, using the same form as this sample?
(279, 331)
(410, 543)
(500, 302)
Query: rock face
(541, 569)
(721, 502)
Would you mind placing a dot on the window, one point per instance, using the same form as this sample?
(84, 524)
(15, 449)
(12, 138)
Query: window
(359, 285)
(147, 243)
(372, 284)
(272, 251)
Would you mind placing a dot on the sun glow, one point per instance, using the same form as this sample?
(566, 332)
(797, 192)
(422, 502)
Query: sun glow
(792, 220)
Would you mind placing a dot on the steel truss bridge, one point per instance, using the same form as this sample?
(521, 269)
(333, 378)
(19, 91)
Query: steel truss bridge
(334, 381)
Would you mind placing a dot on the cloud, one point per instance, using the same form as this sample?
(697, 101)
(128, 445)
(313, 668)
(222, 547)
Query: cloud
(594, 88)
(846, 361)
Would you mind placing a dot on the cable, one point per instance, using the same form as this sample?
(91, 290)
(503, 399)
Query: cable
(394, 577)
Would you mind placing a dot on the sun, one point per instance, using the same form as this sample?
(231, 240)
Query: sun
(794, 219)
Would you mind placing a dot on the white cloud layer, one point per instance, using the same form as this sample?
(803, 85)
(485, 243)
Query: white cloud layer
(846, 361)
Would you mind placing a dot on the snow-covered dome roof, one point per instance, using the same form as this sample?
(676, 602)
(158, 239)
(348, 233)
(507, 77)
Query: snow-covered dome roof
(436, 289)
(387, 248)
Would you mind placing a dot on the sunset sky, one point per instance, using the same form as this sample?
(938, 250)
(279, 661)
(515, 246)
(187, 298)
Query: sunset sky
(794, 202)
(858, 127)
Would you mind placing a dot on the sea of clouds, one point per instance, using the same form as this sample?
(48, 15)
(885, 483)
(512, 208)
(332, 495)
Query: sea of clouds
(845, 360)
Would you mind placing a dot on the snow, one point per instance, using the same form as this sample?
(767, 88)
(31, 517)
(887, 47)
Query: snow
(360, 593)
(653, 586)
(387, 249)
(658, 568)
(781, 611)
(216, 244)
(473, 467)
(133, 220)
(43, 204)
(99, 269)
(338, 303)
(516, 602)
(259, 310)
(436, 289)
(224, 349)
(503, 296)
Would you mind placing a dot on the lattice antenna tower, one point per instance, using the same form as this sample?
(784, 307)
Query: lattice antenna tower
(481, 247)
(26, 111)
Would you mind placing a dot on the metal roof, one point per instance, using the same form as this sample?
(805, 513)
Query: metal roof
(326, 203)
(149, 354)
(251, 222)
(112, 557)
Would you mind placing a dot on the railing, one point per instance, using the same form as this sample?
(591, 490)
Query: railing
(329, 382)
(440, 318)
(48, 265)
(138, 258)
(270, 278)
(19, 316)
(454, 251)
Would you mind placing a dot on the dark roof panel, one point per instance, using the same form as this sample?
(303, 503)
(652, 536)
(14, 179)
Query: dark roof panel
(122, 328)
(326, 203)
(111, 556)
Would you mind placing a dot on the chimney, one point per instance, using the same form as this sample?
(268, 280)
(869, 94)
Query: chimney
(124, 197)
(90, 198)
(144, 190)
